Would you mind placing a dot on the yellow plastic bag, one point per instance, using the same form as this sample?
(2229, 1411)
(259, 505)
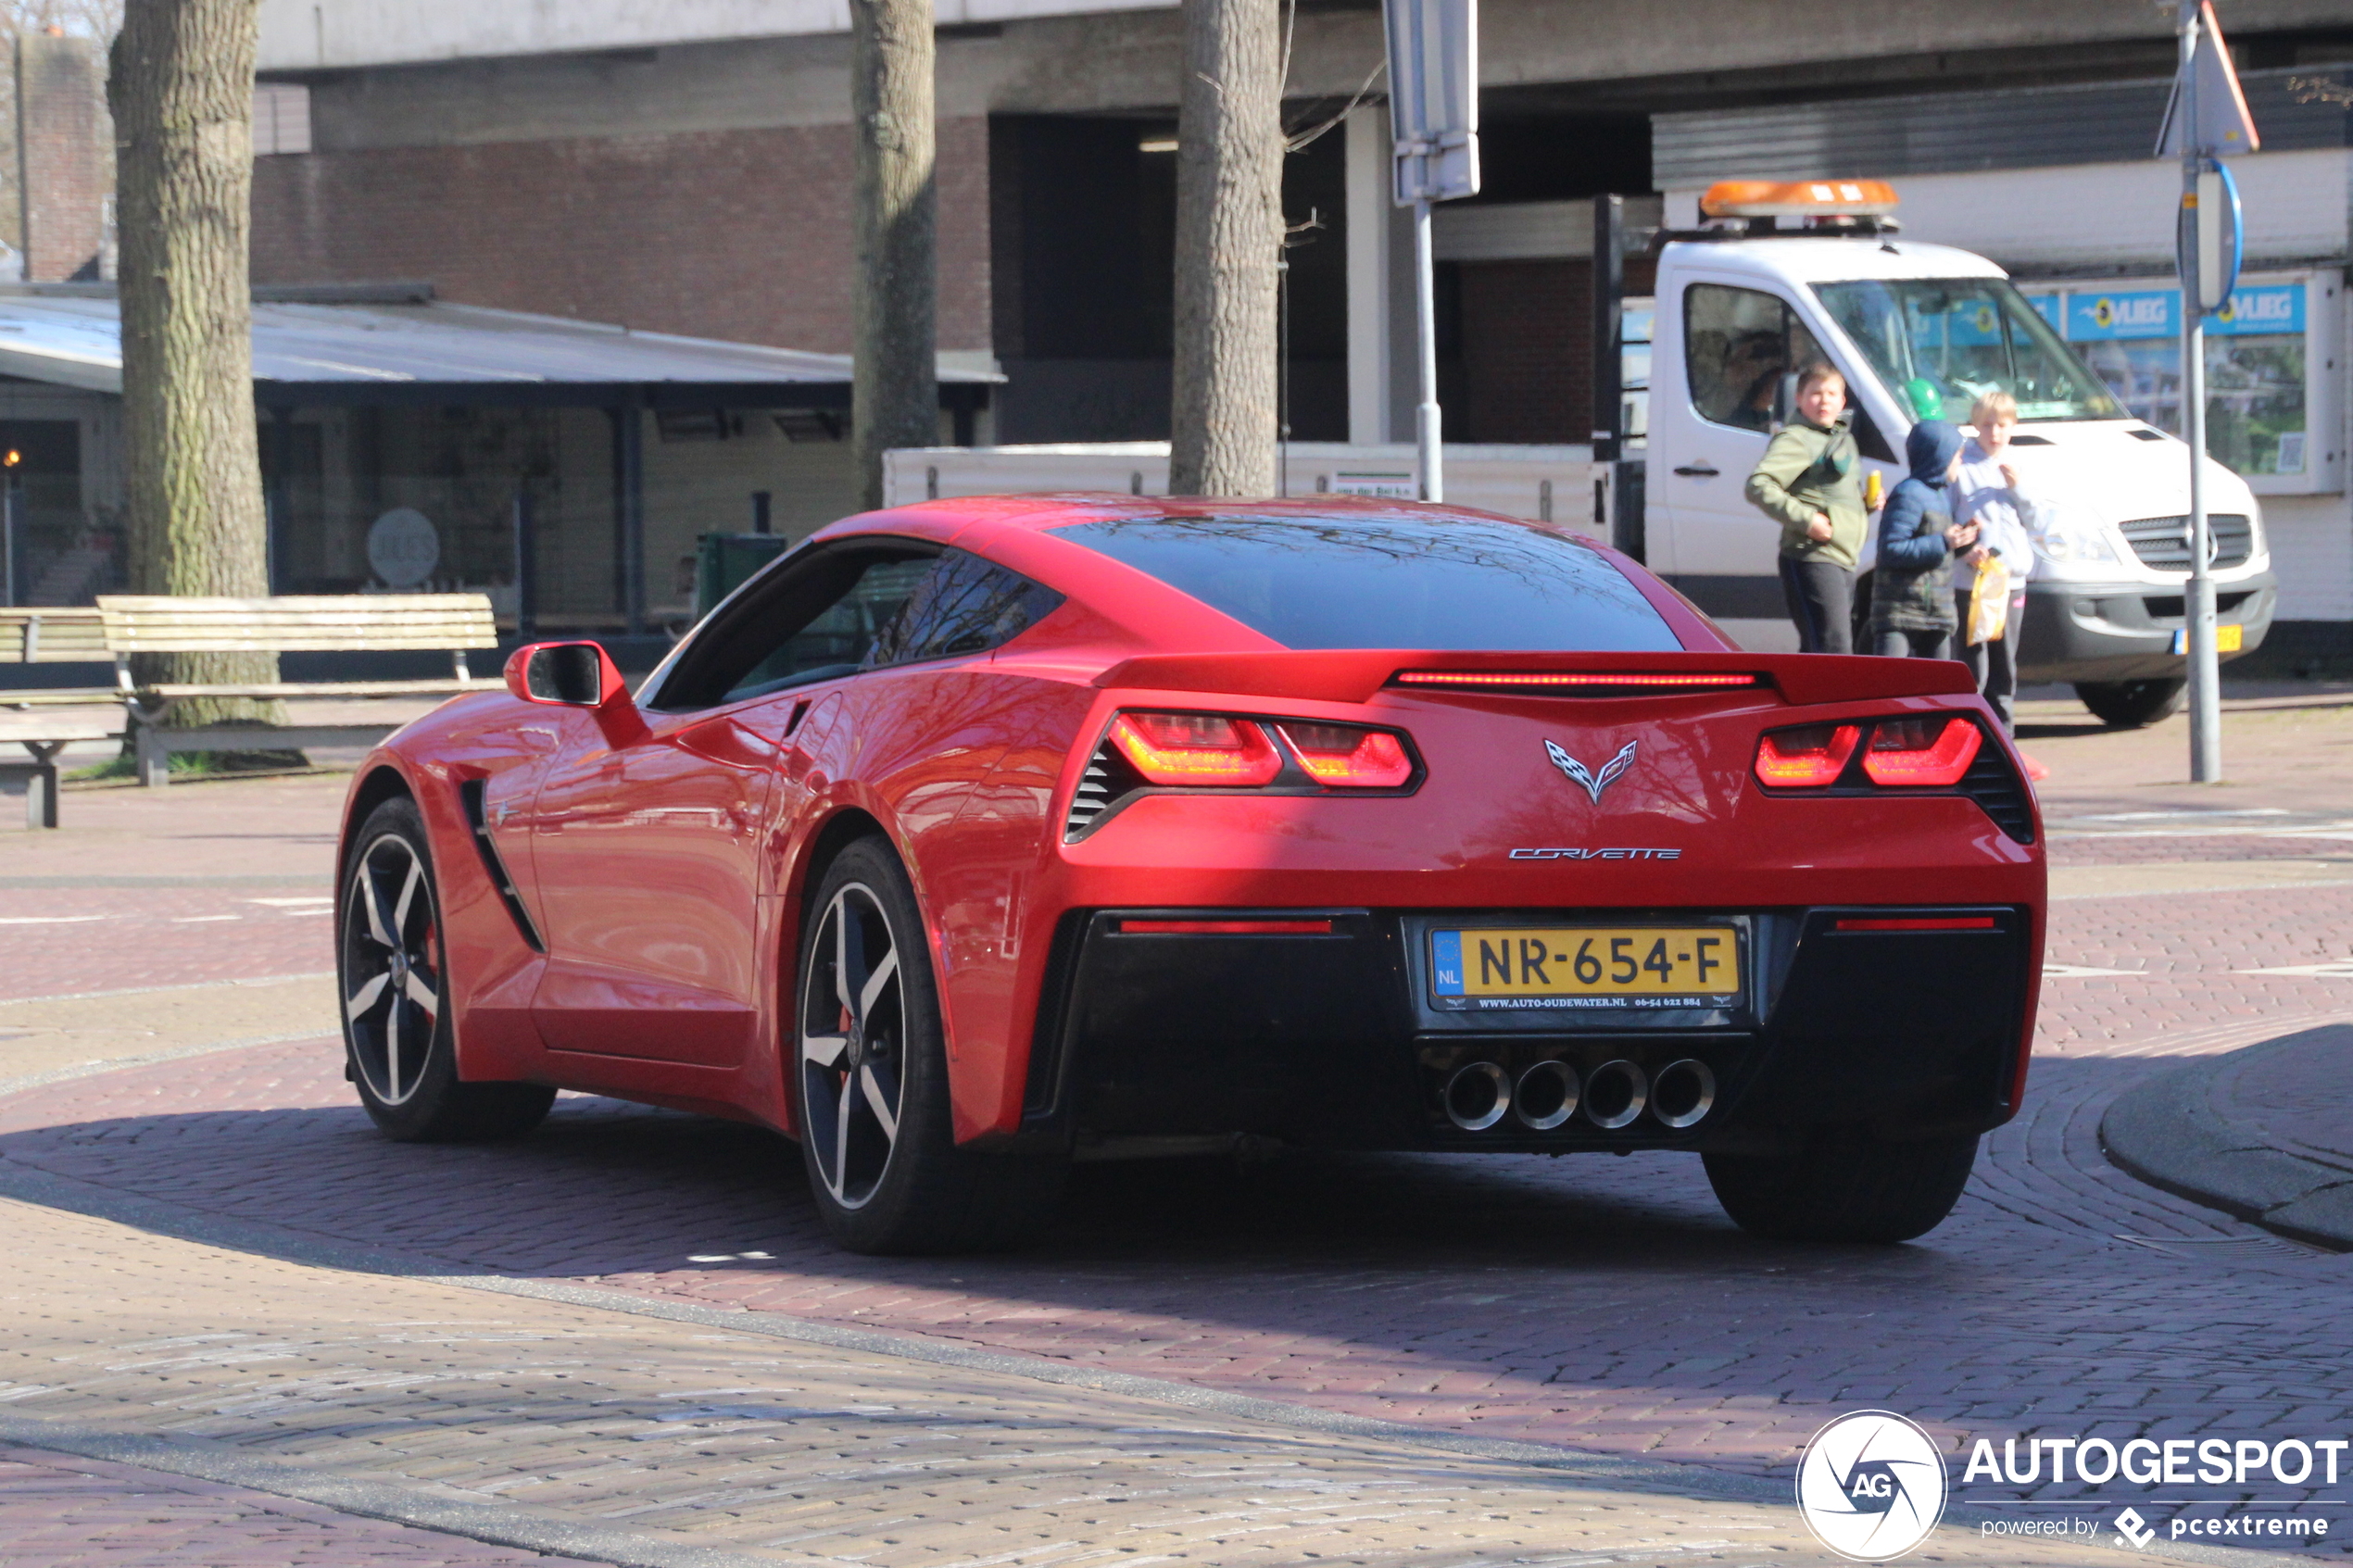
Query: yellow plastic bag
(1989, 602)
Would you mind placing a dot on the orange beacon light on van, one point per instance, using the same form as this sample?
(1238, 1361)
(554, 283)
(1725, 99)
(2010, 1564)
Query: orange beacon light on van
(1799, 198)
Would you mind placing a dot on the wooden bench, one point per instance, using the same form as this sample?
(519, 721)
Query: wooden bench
(42, 737)
(453, 623)
(45, 634)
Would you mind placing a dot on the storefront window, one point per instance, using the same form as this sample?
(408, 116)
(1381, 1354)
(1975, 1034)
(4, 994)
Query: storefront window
(2255, 367)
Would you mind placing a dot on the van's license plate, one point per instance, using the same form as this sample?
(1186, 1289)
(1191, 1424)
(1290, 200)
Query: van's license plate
(1647, 966)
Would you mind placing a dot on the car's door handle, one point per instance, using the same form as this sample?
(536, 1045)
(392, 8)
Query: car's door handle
(1699, 470)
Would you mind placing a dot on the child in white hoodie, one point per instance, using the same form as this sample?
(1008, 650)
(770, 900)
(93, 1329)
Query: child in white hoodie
(1988, 491)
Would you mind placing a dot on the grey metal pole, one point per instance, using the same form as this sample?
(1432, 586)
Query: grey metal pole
(1426, 412)
(2206, 692)
(526, 568)
(9, 541)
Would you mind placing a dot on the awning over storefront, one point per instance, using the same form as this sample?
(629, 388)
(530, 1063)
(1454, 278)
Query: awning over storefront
(395, 344)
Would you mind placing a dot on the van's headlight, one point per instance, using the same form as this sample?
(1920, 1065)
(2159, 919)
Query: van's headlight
(2073, 539)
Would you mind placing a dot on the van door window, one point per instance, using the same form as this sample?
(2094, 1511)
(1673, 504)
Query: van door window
(1737, 346)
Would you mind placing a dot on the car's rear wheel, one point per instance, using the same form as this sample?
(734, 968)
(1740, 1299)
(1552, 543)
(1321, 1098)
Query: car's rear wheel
(400, 1045)
(872, 1095)
(1844, 1186)
(2131, 704)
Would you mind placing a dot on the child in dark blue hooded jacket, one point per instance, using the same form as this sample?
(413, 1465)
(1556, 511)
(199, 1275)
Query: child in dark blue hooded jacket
(1911, 587)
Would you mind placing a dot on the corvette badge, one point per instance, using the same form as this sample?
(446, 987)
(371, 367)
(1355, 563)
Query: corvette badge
(1595, 783)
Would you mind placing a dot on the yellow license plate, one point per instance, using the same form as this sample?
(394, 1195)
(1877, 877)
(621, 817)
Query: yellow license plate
(1640, 964)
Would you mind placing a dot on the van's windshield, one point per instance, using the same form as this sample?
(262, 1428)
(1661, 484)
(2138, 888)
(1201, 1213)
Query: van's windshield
(1939, 344)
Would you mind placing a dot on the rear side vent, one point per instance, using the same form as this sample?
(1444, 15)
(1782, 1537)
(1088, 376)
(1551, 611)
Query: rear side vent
(1109, 779)
(471, 793)
(1995, 786)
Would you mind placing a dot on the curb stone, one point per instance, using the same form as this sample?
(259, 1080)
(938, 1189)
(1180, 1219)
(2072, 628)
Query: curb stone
(2171, 1133)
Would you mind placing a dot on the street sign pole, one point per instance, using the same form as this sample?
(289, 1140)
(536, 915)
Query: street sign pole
(2206, 695)
(1428, 448)
(2205, 121)
(1433, 116)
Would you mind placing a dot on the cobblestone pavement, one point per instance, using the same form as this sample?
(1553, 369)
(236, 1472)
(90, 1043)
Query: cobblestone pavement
(68, 940)
(61, 1510)
(536, 1418)
(1601, 1305)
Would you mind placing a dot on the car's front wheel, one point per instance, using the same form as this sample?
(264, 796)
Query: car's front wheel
(1844, 1186)
(872, 1097)
(2131, 704)
(400, 1048)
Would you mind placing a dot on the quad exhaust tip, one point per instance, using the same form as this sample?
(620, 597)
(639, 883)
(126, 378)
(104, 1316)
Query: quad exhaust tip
(1546, 1096)
(1477, 1095)
(1615, 1094)
(1684, 1094)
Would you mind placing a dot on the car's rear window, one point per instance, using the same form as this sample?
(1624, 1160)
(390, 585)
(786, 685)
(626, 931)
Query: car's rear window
(1391, 582)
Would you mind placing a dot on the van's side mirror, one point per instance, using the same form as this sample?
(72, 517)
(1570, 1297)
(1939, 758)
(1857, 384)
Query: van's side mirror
(565, 676)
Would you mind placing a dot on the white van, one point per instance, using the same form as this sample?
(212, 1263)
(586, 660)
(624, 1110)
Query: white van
(1927, 327)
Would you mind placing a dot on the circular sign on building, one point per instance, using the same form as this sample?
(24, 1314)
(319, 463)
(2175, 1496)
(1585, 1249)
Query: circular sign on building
(403, 547)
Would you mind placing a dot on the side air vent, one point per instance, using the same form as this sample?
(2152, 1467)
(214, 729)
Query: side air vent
(1996, 788)
(470, 793)
(1108, 778)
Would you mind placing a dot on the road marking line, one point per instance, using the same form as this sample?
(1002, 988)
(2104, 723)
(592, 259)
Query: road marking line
(2079, 971)
(51, 920)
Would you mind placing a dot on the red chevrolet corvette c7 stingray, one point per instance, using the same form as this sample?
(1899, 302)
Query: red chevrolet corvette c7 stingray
(972, 838)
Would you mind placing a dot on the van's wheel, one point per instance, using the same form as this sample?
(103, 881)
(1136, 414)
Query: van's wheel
(870, 1098)
(1844, 1186)
(2129, 704)
(399, 1041)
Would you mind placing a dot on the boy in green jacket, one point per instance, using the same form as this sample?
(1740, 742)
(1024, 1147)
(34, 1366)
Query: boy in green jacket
(1808, 483)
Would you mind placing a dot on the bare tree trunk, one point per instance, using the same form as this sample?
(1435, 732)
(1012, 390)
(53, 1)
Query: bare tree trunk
(182, 90)
(895, 398)
(1230, 235)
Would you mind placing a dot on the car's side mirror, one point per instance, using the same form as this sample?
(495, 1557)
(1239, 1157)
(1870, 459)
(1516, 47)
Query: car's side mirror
(577, 675)
(565, 676)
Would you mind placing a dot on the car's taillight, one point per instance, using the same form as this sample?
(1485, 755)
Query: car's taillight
(1934, 752)
(1197, 750)
(1811, 757)
(1349, 757)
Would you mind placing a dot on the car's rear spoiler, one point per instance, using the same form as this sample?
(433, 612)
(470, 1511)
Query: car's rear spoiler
(1355, 674)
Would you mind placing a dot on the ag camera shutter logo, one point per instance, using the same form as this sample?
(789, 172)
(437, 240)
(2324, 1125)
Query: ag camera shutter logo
(1871, 1485)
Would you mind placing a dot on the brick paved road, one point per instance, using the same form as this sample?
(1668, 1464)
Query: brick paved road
(620, 1437)
(62, 941)
(62, 1509)
(1602, 1304)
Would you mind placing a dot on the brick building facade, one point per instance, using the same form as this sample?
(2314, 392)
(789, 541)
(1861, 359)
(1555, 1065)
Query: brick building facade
(61, 170)
(742, 234)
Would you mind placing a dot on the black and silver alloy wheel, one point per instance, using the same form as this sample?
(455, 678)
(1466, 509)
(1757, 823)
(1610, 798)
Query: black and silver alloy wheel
(400, 1045)
(853, 1041)
(872, 1103)
(391, 969)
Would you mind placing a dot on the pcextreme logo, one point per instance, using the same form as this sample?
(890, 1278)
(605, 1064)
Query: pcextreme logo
(1871, 1485)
